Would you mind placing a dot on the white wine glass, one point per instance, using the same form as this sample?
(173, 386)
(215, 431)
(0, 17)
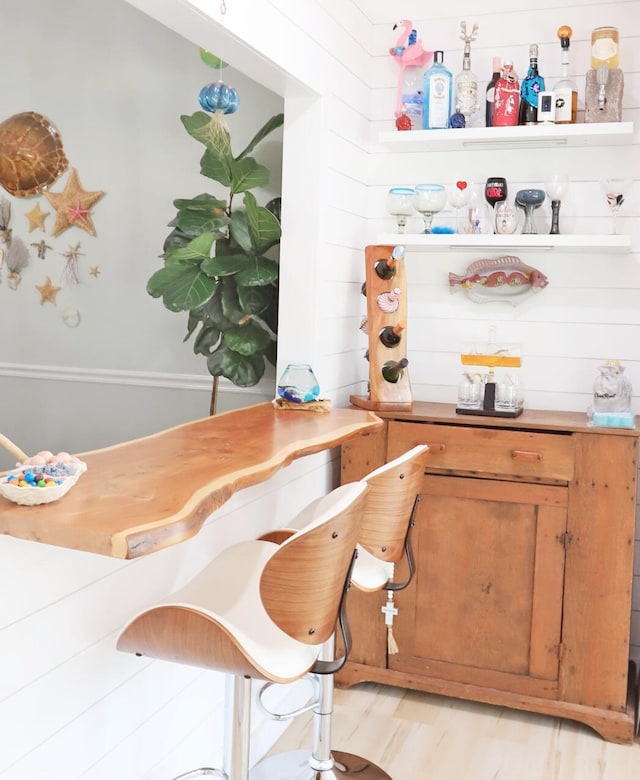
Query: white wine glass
(615, 191)
(400, 205)
(556, 188)
(429, 199)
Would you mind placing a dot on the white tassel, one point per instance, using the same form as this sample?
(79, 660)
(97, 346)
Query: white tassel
(389, 610)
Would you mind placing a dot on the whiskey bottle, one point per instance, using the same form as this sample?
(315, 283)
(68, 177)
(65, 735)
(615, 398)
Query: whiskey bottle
(491, 91)
(532, 85)
(393, 370)
(391, 335)
(566, 91)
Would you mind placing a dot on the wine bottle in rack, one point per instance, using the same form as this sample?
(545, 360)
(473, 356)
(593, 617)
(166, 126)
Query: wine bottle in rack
(393, 370)
(391, 335)
(385, 269)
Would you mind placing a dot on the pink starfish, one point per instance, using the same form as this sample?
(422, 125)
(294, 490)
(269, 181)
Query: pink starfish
(78, 214)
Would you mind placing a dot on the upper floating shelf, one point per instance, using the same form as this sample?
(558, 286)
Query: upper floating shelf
(517, 241)
(542, 136)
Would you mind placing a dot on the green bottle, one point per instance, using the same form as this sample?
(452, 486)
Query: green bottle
(392, 370)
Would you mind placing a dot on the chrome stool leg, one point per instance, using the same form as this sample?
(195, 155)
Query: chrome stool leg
(238, 695)
(322, 763)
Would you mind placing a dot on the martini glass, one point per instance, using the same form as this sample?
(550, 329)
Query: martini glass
(615, 191)
(429, 199)
(529, 200)
(400, 205)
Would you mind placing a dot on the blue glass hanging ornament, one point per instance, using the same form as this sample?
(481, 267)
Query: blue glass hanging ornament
(219, 99)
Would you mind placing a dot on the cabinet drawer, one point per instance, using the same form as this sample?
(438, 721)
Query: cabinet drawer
(489, 452)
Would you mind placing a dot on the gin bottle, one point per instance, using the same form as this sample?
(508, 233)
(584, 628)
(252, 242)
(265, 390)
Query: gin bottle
(438, 87)
(532, 85)
(566, 91)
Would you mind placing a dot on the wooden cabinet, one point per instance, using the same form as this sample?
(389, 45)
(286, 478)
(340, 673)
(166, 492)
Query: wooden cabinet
(524, 563)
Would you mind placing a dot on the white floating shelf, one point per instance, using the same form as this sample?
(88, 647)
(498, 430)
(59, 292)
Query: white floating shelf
(539, 242)
(542, 136)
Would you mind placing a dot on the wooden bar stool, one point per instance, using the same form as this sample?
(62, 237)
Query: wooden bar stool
(259, 610)
(387, 518)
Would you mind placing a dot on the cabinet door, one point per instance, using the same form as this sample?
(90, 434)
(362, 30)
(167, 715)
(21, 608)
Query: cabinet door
(485, 605)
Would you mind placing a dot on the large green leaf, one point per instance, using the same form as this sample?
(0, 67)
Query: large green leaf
(246, 174)
(213, 134)
(206, 340)
(264, 228)
(199, 215)
(273, 123)
(230, 303)
(211, 312)
(260, 271)
(247, 339)
(181, 286)
(225, 265)
(239, 230)
(242, 370)
(217, 167)
(194, 253)
(202, 202)
(255, 300)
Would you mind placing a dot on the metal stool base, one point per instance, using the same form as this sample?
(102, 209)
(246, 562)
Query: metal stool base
(296, 765)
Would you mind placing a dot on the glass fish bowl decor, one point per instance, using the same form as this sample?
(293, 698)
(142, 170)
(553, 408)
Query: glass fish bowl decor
(298, 384)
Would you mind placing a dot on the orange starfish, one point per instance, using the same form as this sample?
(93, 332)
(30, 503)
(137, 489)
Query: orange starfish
(73, 205)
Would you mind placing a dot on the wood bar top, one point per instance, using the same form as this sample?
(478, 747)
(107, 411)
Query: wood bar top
(154, 492)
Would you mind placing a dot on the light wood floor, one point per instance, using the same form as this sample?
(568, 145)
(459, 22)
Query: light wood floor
(419, 736)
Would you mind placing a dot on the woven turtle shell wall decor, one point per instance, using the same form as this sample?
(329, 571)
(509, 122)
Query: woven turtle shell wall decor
(31, 154)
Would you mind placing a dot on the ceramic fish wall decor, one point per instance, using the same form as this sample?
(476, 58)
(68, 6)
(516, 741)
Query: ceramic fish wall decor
(504, 278)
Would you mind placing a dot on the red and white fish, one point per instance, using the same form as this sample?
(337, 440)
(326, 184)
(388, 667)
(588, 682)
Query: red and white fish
(504, 278)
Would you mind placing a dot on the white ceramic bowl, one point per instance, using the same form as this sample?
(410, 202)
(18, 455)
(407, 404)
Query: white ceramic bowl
(31, 496)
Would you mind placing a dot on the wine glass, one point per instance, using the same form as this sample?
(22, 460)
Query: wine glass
(529, 200)
(429, 199)
(556, 187)
(458, 196)
(400, 205)
(615, 191)
(495, 190)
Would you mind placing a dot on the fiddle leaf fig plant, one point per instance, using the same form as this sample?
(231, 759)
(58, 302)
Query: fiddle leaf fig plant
(218, 263)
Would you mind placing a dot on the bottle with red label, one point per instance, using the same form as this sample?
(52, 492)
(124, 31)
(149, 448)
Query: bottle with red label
(507, 98)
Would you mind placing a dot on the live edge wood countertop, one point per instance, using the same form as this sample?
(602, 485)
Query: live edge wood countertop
(150, 493)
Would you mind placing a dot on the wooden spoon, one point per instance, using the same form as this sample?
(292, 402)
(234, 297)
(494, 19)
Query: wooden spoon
(12, 448)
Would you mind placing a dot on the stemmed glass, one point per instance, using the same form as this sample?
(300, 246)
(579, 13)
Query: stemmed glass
(400, 205)
(529, 200)
(615, 191)
(429, 199)
(459, 195)
(556, 187)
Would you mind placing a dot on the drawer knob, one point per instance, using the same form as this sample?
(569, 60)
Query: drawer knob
(433, 448)
(531, 457)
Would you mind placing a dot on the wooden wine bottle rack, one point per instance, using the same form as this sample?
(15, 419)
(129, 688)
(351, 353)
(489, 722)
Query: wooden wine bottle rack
(385, 395)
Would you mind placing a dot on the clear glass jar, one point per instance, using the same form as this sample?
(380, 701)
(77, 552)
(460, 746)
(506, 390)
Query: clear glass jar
(298, 383)
(611, 389)
(604, 47)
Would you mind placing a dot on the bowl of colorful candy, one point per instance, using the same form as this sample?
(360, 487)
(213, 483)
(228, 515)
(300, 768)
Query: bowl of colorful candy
(42, 478)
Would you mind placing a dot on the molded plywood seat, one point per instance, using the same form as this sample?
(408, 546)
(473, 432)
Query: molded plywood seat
(386, 520)
(259, 610)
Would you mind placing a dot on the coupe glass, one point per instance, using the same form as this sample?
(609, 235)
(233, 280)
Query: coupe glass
(615, 191)
(529, 200)
(400, 205)
(556, 188)
(429, 199)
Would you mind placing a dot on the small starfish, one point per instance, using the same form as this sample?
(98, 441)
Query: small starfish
(41, 248)
(78, 214)
(36, 217)
(94, 271)
(48, 291)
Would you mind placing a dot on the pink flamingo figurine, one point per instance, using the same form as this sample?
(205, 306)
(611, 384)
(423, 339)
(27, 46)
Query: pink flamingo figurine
(407, 52)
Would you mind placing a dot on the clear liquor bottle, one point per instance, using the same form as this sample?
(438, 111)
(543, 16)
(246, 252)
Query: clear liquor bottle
(531, 86)
(438, 88)
(566, 91)
(467, 88)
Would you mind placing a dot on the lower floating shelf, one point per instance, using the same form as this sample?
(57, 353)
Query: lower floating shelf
(505, 243)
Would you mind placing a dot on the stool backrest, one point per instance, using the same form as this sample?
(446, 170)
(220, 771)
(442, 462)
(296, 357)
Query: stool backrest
(389, 504)
(303, 582)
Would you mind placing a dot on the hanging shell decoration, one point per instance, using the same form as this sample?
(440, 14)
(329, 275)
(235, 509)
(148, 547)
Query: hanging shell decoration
(389, 301)
(31, 154)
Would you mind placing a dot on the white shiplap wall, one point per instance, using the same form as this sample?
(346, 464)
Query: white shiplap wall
(71, 706)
